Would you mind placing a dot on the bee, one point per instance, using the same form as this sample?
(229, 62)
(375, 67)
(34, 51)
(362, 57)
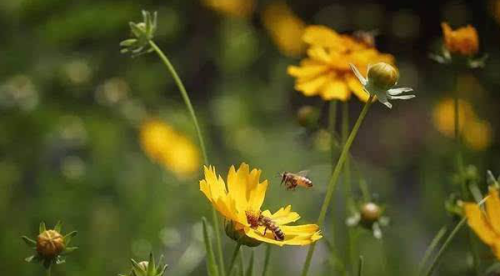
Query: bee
(271, 225)
(367, 38)
(292, 180)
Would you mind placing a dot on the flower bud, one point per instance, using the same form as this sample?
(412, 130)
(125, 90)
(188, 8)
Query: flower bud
(239, 235)
(50, 243)
(382, 76)
(370, 213)
(307, 116)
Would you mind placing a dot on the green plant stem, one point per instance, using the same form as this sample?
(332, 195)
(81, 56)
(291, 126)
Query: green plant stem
(332, 119)
(352, 244)
(334, 179)
(190, 108)
(211, 262)
(432, 246)
(49, 271)
(445, 245)
(233, 258)
(267, 258)
(360, 265)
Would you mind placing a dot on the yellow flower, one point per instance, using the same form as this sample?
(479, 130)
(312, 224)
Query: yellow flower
(166, 146)
(326, 71)
(285, 28)
(463, 41)
(240, 203)
(233, 8)
(477, 134)
(486, 224)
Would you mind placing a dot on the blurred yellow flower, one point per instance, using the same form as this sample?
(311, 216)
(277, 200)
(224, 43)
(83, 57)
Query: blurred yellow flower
(477, 134)
(232, 8)
(326, 71)
(240, 203)
(285, 28)
(495, 9)
(166, 146)
(462, 41)
(486, 223)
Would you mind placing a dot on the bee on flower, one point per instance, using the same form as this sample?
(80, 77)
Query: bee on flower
(240, 200)
(369, 215)
(382, 77)
(51, 246)
(326, 71)
(460, 45)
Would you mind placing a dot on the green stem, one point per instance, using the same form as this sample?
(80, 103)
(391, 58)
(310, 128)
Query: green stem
(49, 270)
(432, 246)
(211, 262)
(352, 244)
(233, 258)
(445, 245)
(360, 265)
(332, 118)
(190, 108)
(334, 179)
(266, 260)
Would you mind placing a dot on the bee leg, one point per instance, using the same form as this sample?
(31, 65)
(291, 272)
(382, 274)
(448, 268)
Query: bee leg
(265, 230)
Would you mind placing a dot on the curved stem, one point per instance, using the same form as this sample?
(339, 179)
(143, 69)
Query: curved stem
(233, 258)
(432, 246)
(334, 179)
(190, 108)
(445, 245)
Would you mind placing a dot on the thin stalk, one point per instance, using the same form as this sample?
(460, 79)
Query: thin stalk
(211, 262)
(352, 244)
(360, 265)
(49, 270)
(187, 101)
(267, 258)
(249, 271)
(334, 179)
(242, 263)
(445, 245)
(332, 119)
(233, 258)
(432, 246)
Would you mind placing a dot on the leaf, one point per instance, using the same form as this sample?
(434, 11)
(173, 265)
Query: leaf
(42, 227)
(58, 227)
(69, 236)
(68, 250)
(30, 258)
(360, 266)
(151, 265)
(29, 241)
(211, 264)
(162, 271)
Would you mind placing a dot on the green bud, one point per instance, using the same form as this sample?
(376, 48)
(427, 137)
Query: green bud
(307, 116)
(239, 235)
(370, 213)
(382, 76)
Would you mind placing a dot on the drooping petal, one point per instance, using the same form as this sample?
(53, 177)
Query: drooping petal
(397, 91)
(493, 210)
(477, 221)
(358, 74)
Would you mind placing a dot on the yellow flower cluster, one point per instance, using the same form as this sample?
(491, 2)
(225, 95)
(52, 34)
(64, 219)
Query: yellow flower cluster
(462, 41)
(326, 71)
(232, 8)
(240, 203)
(486, 223)
(166, 146)
(285, 28)
(477, 134)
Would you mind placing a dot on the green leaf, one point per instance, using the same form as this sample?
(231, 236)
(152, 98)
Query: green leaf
(69, 236)
(151, 265)
(360, 266)
(212, 265)
(30, 258)
(249, 271)
(58, 226)
(162, 271)
(68, 250)
(42, 228)
(29, 241)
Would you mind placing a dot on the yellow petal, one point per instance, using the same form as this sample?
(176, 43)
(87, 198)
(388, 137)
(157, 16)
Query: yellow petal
(237, 186)
(283, 216)
(321, 36)
(356, 87)
(477, 221)
(493, 210)
(307, 71)
(257, 196)
(319, 54)
(289, 239)
(304, 229)
(335, 89)
(311, 87)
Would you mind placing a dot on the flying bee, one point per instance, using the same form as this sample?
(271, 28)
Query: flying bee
(366, 37)
(292, 180)
(271, 225)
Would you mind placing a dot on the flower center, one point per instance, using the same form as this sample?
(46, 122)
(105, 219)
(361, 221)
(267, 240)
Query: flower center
(253, 218)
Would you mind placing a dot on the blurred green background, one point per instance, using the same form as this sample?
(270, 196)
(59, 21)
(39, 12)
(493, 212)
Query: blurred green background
(71, 108)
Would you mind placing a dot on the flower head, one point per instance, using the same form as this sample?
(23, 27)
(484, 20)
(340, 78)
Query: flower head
(172, 149)
(142, 33)
(382, 77)
(147, 268)
(369, 215)
(462, 41)
(50, 245)
(240, 203)
(486, 223)
(326, 72)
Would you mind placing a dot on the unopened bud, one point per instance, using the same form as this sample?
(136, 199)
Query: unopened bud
(370, 213)
(307, 116)
(382, 76)
(50, 243)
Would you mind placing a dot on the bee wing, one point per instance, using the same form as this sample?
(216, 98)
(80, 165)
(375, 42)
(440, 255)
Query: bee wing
(303, 173)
